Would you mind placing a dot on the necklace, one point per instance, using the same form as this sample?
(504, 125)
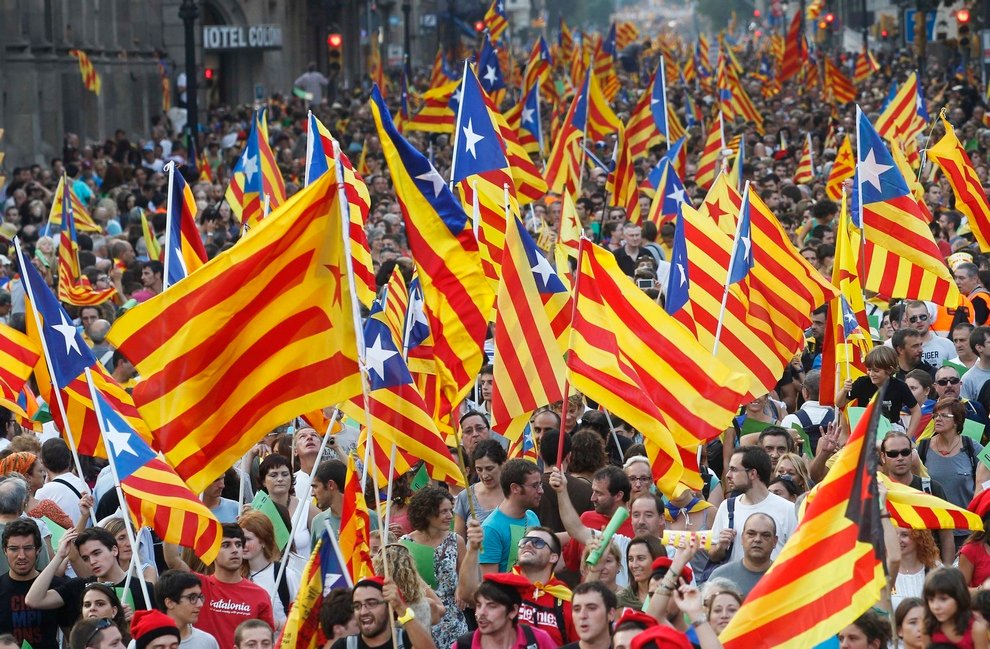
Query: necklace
(255, 574)
(948, 450)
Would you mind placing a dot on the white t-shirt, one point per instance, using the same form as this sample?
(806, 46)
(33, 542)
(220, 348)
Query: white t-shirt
(64, 497)
(780, 510)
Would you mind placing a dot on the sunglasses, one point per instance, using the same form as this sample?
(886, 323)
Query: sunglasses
(535, 541)
(101, 625)
(944, 382)
(904, 452)
(918, 318)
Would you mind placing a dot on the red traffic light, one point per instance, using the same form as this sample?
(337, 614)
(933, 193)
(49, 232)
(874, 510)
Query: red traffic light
(962, 16)
(756, 13)
(209, 73)
(334, 41)
(830, 18)
(479, 26)
(884, 34)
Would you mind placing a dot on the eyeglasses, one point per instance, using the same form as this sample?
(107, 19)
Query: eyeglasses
(918, 318)
(193, 598)
(640, 478)
(535, 541)
(15, 550)
(537, 486)
(951, 381)
(904, 452)
(101, 625)
(369, 604)
(737, 469)
(942, 415)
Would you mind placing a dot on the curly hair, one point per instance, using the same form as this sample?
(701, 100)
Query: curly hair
(425, 504)
(587, 452)
(925, 547)
(401, 570)
(800, 467)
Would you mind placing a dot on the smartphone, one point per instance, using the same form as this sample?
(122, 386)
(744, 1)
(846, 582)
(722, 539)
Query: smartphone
(645, 283)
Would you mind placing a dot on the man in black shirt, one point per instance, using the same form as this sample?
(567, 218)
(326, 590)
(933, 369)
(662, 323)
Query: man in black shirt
(98, 550)
(371, 599)
(21, 541)
(593, 609)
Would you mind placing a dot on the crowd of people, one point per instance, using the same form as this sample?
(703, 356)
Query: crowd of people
(520, 558)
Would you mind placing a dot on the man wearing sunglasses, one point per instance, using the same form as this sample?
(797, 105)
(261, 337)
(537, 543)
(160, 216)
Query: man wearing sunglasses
(897, 461)
(935, 349)
(948, 384)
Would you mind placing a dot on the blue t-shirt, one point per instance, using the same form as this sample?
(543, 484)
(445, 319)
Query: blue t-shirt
(502, 534)
(227, 511)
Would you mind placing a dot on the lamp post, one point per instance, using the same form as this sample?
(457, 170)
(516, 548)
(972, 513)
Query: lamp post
(406, 33)
(189, 12)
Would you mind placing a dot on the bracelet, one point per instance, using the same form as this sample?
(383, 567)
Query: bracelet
(666, 588)
(406, 617)
(885, 515)
(696, 623)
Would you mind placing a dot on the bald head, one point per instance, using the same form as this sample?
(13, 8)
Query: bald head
(98, 331)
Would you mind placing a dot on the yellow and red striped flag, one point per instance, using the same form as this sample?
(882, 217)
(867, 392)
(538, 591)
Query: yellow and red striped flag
(18, 356)
(457, 296)
(84, 222)
(831, 570)
(847, 330)
(805, 171)
(436, 115)
(213, 383)
(628, 355)
(626, 34)
(950, 156)
(156, 496)
(866, 66)
(73, 287)
(915, 509)
(495, 20)
(396, 304)
(708, 162)
(843, 168)
(355, 526)
(795, 50)
(902, 260)
(837, 85)
(905, 116)
(531, 329)
(375, 68)
(91, 78)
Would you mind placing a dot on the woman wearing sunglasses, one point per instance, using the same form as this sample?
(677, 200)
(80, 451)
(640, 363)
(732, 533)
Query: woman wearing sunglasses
(96, 634)
(100, 600)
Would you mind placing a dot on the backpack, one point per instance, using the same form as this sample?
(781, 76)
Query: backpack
(400, 641)
(968, 447)
(464, 641)
(813, 432)
(702, 575)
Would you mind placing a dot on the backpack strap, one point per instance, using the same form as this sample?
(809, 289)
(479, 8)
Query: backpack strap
(923, 448)
(803, 417)
(283, 590)
(66, 483)
(531, 642)
(730, 506)
(971, 452)
(352, 642)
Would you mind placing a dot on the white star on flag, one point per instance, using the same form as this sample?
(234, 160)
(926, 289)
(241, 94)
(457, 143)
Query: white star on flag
(542, 268)
(527, 115)
(870, 170)
(68, 332)
(250, 167)
(376, 356)
(490, 76)
(433, 176)
(471, 138)
(681, 273)
(677, 195)
(120, 441)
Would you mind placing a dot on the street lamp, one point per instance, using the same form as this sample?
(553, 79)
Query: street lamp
(189, 12)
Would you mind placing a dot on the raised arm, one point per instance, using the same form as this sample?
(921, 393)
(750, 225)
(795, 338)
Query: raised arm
(568, 515)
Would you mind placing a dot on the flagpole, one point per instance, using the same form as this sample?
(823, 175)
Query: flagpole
(266, 209)
(51, 371)
(345, 210)
(728, 275)
(310, 146)
(457, 120)
(475, 208)
(303, 505)
(615, 436)
(811, 155)
(169, 207)
(859, 192)
(663, 87)
(570, 345)
(128, 523)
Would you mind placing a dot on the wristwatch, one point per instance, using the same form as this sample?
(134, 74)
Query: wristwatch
(407, 616)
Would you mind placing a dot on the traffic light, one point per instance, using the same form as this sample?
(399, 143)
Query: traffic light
(756, 13)
(830, 18)
(962, 16)
(335, 44)
(479, 26)
(209, 75)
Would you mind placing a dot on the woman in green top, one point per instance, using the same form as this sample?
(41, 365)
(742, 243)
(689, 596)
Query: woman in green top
(437, 552)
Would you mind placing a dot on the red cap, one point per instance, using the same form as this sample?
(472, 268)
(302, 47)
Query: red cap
(146, 626)
(660, 637)
(636, 617)
(980, 504)
(374, 581)
(515, 584)
(663, 564)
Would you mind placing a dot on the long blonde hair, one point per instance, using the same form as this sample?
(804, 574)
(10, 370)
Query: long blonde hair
(401, 570)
